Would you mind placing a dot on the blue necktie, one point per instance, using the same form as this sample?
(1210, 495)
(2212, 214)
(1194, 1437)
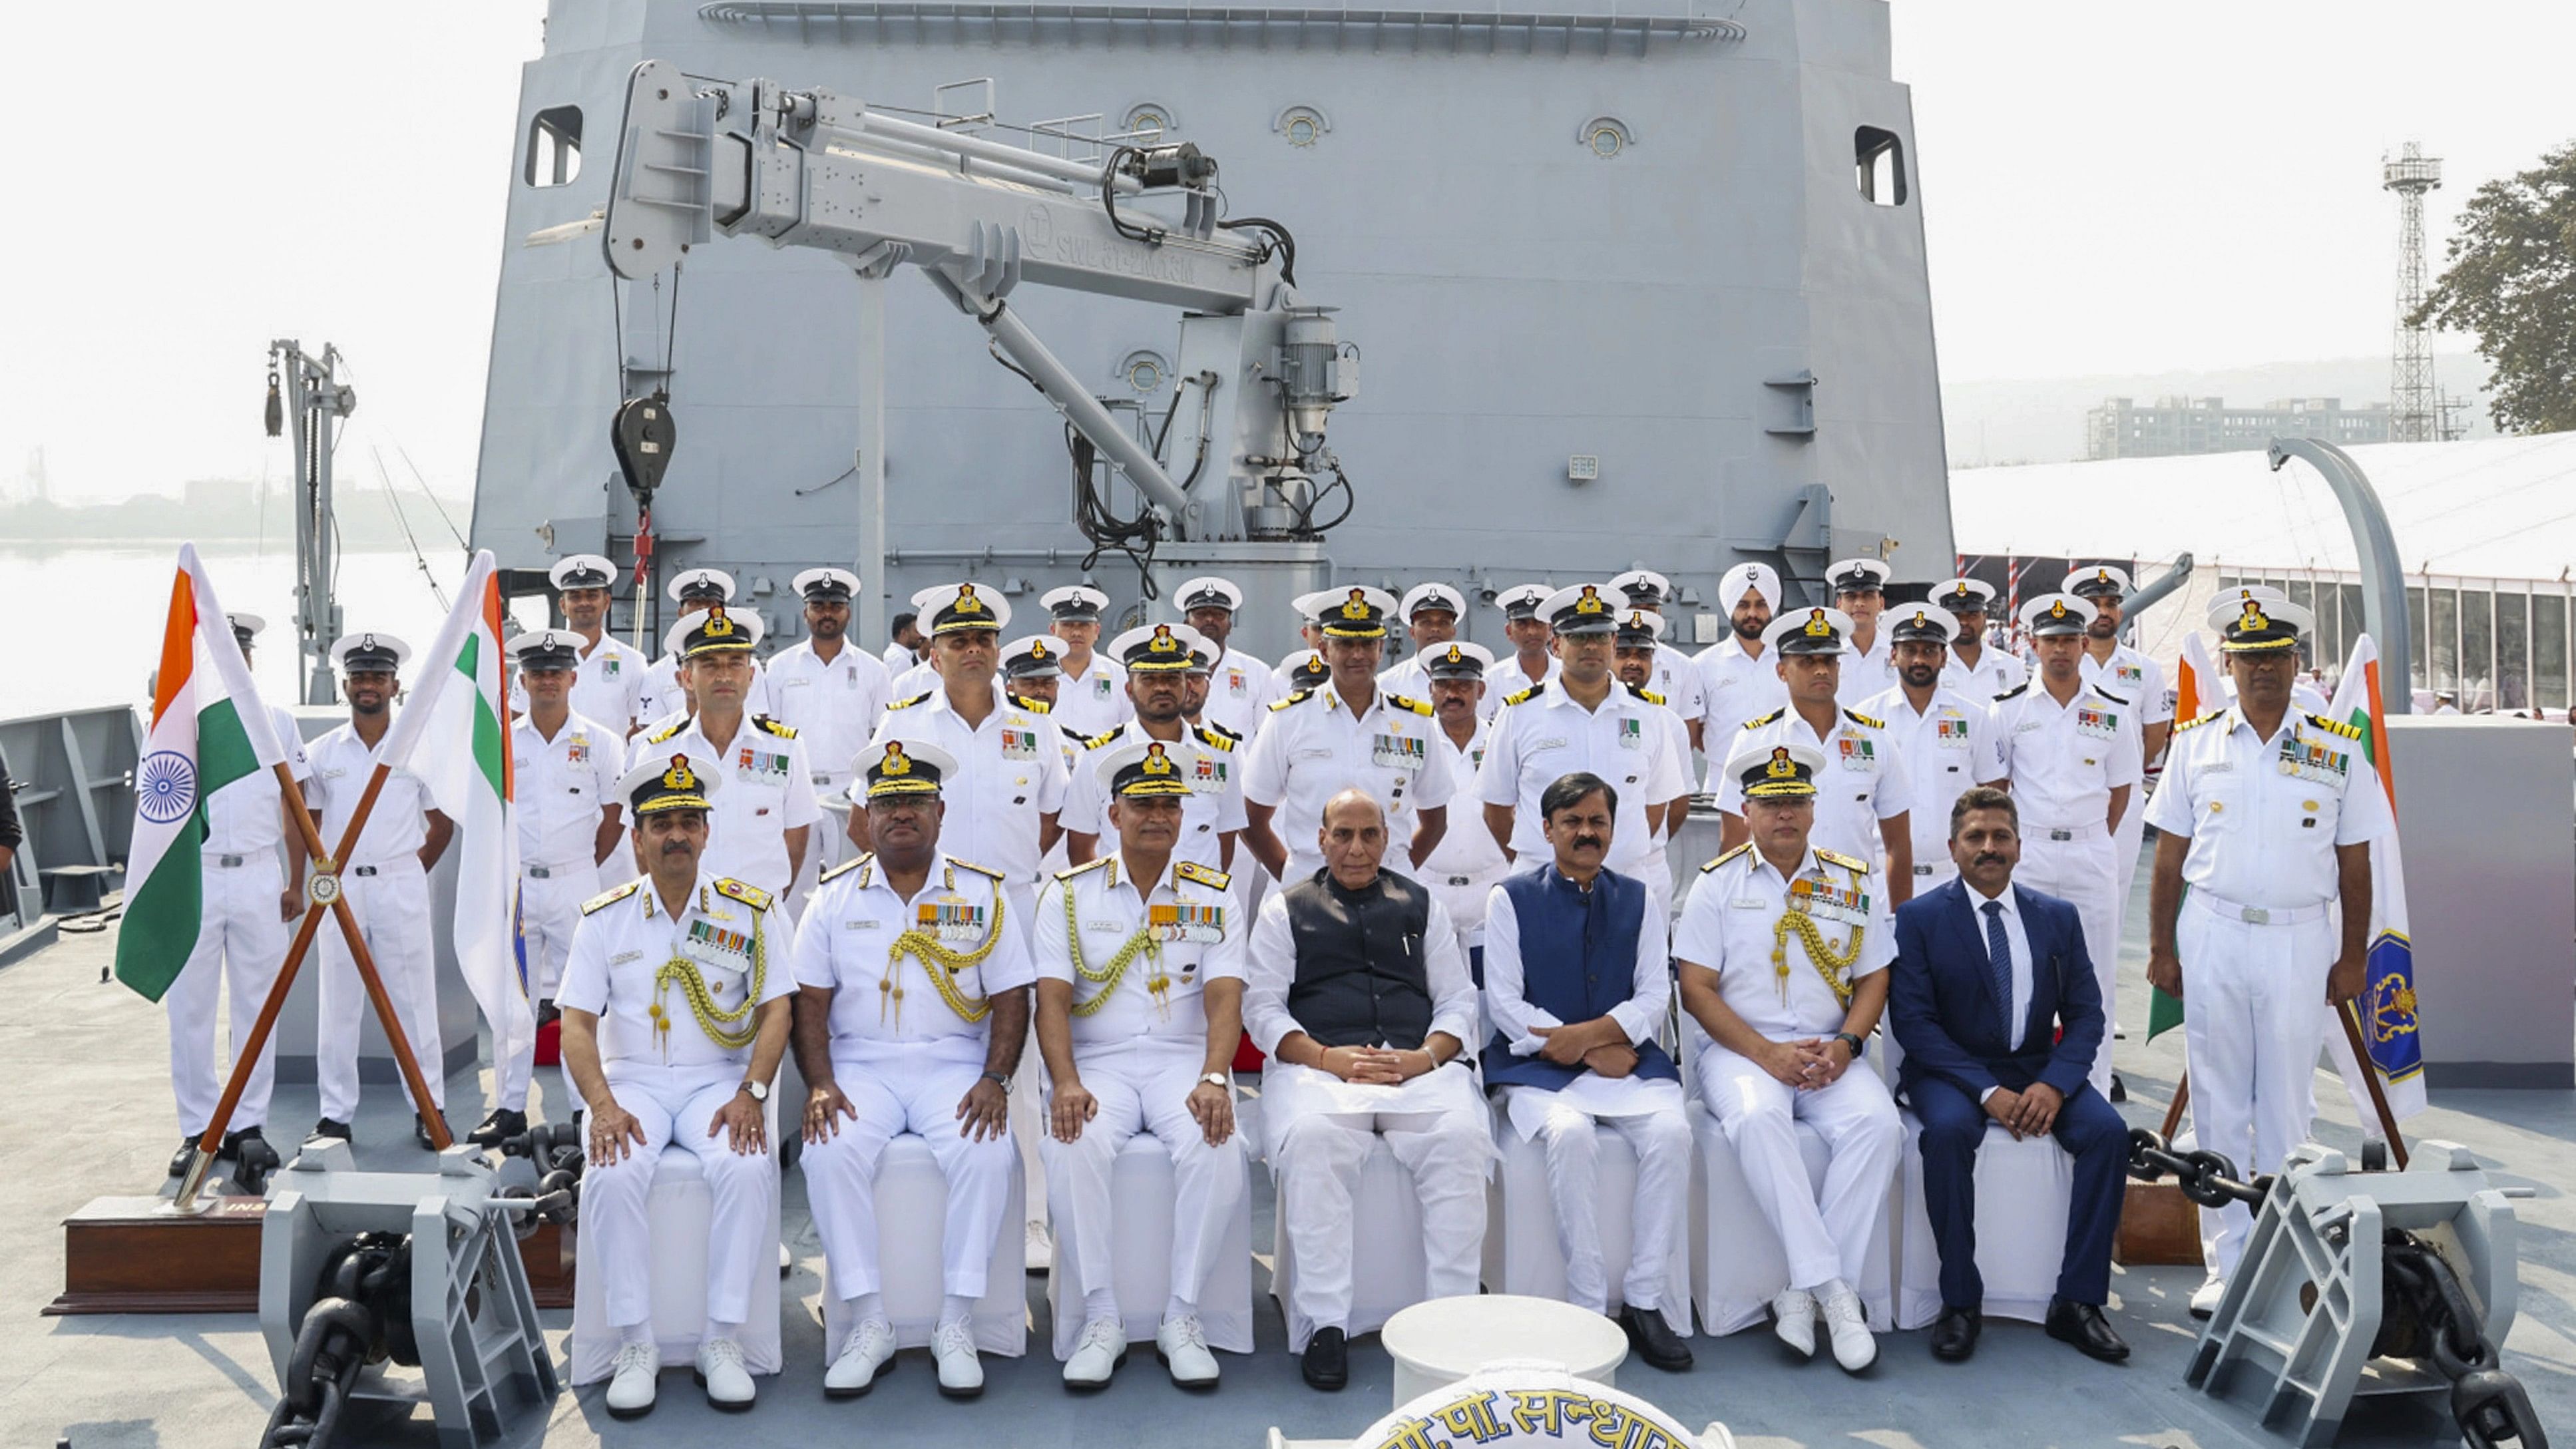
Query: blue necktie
(1999, 966)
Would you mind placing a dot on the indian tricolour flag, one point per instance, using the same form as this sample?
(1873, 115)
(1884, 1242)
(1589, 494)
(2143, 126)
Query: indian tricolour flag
(2385, 1010)
(2197, 690)
(208, 730)
(454, 734)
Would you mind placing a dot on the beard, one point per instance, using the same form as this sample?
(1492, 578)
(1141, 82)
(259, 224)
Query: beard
(1748, 629)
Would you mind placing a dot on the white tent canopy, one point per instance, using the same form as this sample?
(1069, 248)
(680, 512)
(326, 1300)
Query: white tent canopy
(2500, 508)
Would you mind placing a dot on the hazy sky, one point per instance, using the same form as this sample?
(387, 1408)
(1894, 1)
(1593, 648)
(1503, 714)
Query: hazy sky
(2109, 187)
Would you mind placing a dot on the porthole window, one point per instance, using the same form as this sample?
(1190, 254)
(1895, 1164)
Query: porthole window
(1606, 137)
(1145, 371)
(1147, 119)
(1302, 125)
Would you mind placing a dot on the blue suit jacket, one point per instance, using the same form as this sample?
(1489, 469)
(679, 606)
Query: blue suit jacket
(1941, 996)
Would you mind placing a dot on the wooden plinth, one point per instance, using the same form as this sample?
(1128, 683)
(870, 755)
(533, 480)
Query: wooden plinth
(134, 1255)
(2158, 1227)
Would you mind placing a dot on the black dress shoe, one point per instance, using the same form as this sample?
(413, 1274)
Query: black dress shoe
(185, 1157)
(2119, 1089)
(497, 1128)
(1654, 1339)
(329, 1127)
(1954, 1333)
(2083, 1325)
(420, 1129)
(1327, 1360)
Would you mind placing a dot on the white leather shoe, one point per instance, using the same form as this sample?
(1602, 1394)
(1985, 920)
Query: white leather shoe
(1102, 1348)
(1039, 1253)
(2204, 1299)
(721, 1370)
(1794, 1321)
(870, 1348)
(1855, 1347)
(1182, 1346)
(961, 1374)
(630, 1384)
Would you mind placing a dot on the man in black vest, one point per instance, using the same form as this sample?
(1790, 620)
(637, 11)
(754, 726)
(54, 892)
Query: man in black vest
(1578, 981)
(1360, 996)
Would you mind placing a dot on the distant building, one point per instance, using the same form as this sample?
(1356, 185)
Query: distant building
(2173, 426)
(217, 495)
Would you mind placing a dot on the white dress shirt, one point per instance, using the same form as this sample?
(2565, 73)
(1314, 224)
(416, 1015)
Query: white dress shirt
(1736, 687)
(2136, 678)
(1727, 926)
(398, 825)
(1951, 745)
(2017, 946)
(2263, 816)
(1866, 674)
(1213, 810)
(1677, 679)
(1010, 772)
(1468, 859)
(560, 787)
(833, 706)
(1240, 692)
(883, 999)
(243, 817)
(1159, 1002)
(765, 794)
(1507, 678)
(1315, 748)
(1094, 701)
(2065, 760)
(1551, 734)
(1866, 778)
(1995, 673)
(625, 939)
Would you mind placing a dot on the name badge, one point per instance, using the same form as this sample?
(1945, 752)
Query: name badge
(622, 957)
(862, 926)
(950, 920)
(1194, 925)
(1314, 754)
(1398, 752)
(1742, 904)
(1019, 744)
(1553, 742)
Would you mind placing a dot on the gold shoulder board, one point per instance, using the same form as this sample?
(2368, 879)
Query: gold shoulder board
(1648, 695)
(1849, 863)
(909, 703)
(1864, 721)
(1095, 863)
(978, 869)
(2335, 727)
(1298, 697)
(845, 867)
(1723, 859)
(1207, 876)
(743, 891)
(784, 732)
(1755, 724)
(1524, 696)
(605, 899)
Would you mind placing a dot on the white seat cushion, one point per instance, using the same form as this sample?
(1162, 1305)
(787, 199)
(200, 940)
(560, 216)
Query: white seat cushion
(2025, 1189)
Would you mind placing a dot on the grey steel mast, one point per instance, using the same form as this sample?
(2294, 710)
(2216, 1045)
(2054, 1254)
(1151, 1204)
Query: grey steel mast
(313, 396)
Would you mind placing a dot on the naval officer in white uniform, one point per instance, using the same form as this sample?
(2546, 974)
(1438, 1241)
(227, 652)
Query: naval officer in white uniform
(765, 821)
(1358, 995)
(1533, 656)
(1240, 686)
(1948, 740)
(831, 693)
(1990, 671)
(675, 1017)
(2267, 815)
(1430, 613)
(1675, 675)
(1139, 1009)
(1861, 797)
(249, 894)
(1739, 676)
(1157, 660)
(1461, 872)
(1784, 948)
(665, 693)
(1092, 695)
(912, 973)
(608, 685)
(2071, 748)
(1860, 594)
(564, 769)
(386, 883)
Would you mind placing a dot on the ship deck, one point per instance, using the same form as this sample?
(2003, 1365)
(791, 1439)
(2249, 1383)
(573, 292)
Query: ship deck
(83, 1067)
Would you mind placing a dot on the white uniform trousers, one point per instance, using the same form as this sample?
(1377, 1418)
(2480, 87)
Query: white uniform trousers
(549, 908)
(2130, 842)
(904, 1089)
(1317, 1156)
(2254, 1019)
(2083, 872)
(675, 1106)
(1936, 872)
(392, 910)
(1824, 1236)
(1145, 1089)
(1662, 1142)
(240, 940)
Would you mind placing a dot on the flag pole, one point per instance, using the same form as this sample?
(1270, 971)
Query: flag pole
(247, 1054)
(2370, 1079)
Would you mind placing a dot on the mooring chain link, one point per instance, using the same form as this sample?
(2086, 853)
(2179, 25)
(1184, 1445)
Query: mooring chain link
(2490, 1405)
(2205, 1177)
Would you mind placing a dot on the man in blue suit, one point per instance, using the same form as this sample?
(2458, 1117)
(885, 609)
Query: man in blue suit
(1983, 974)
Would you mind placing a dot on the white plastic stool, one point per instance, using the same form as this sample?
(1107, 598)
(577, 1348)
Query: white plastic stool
(1141, 1199)
(1387, 1271)
(912, 1218)
(1445, 1339)
(2025, 1189)
(1737, 1265)
(1522, 1255)
(678, 1211)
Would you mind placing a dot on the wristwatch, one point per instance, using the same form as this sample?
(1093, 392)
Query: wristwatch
(1858, 1047)
(1219, 1079)
(998, 1080)
(759, 1090)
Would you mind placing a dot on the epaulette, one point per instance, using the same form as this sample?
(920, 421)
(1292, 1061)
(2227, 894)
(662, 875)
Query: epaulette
(845, 867)
(1295, 697)
(916, 699)
(1755, 724)
(1218, 738)
(1723, 859)
(1033, 706)
(2106, 694)
(743, 891)
(1398, 701)
(2014, 692)
(1524, 696)
(1850, 863)
(676, 725)
(783, 731)
(1095, 863)
(605, 899)
(1213, 727)
(1864, 721)
(1208, 876)
(2348, 731)
(1648, 695)
(1105, 738)
(978, 869)
(2201, 720)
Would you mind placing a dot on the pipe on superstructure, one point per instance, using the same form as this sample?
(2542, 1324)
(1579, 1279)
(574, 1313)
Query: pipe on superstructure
(2383, 577)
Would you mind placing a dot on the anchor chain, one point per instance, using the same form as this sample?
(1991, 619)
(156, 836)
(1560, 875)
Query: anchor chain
(2490, 1405)
(2205, 1177)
